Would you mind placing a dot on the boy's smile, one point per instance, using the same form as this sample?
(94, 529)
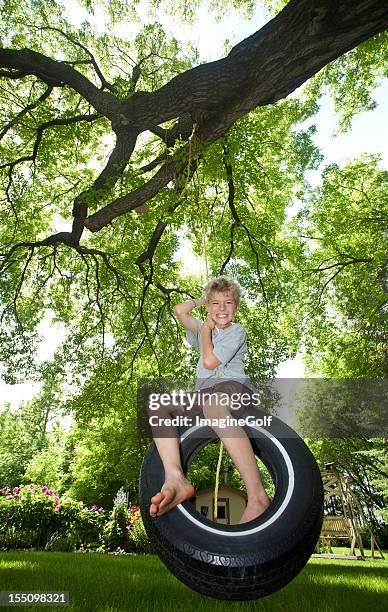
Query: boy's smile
(222, 307)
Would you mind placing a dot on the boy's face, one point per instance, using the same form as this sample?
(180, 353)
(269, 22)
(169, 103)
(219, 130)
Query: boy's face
(221, 307)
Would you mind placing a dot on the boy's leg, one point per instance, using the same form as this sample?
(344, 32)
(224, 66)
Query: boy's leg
(240, 451)
(176, 487)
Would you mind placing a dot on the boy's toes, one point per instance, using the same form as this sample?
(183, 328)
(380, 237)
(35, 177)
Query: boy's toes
(155, 501)
(157, 498)
(168, 496)
(153, 510)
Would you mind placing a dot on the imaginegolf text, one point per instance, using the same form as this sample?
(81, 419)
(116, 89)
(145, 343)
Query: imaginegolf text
(186, 421)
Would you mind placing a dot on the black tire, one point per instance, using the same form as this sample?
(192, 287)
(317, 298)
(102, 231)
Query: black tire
(240, 562)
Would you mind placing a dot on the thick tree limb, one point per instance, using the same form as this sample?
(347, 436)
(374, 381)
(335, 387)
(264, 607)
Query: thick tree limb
(51, 71)
(267, 66)
(92, 60)
(262, 69)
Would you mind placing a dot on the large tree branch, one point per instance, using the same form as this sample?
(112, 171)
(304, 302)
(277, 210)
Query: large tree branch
(53, 72)
(265, 67)
(118, 159)
(132, 200)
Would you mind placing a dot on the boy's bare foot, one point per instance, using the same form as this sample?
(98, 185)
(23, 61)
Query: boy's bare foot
(254, 509)
(173, 492)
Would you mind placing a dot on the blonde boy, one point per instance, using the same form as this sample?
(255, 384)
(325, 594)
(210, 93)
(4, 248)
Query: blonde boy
(220, 370)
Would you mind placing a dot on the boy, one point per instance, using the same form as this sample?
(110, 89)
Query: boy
(220, 370)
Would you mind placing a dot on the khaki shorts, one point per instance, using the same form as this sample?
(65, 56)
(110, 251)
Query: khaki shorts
(231, 393)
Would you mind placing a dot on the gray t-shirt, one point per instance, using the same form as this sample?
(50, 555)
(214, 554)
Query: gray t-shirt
(229, 346)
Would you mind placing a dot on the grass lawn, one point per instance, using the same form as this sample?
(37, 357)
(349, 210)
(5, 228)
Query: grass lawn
(107, 583)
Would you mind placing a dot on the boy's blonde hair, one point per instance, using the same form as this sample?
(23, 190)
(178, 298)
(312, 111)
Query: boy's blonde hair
(222, 285)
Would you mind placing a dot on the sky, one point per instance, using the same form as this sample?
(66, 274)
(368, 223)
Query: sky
(369, 134)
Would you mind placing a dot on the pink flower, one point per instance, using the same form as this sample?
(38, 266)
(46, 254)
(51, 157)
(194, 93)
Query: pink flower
(31, 488)
(56, 499)
(82, 503)
(101, 510)
(5, 490)
(94, 507)
(50, 492)
(44, 489)
(8, 497)
(15, 490)
(85, 509)
(20, 493)
(58, 507)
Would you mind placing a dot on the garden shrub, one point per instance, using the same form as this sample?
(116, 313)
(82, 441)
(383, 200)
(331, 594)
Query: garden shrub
(138, 541)
(31, 515)
(34, 517)
(61, 543)
(115, 533)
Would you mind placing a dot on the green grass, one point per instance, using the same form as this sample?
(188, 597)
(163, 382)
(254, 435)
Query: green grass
(107, 583)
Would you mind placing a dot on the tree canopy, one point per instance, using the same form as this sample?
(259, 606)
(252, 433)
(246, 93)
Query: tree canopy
(131, 145)
(120, 152)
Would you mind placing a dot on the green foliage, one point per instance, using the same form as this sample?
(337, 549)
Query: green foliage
(202, 470)
(269, 154)
(61, 543)
(116, 529)
(106, 457)
(45, 466)
(34, 517)
(20, 439)
(345, 266)
(138, 539)
(125, 531)
(28, 451)
(341, 79)
(365, 461)
(187, 11)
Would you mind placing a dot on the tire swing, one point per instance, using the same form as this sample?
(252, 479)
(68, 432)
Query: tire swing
(251, 560)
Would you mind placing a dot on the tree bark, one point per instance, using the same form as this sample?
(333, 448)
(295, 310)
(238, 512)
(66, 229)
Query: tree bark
(267, 66)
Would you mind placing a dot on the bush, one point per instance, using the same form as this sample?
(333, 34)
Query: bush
(125, 531)
(61, 543)
(116, 529)
(34, 517)
(138, 541)
(30, 516)
(380, 532)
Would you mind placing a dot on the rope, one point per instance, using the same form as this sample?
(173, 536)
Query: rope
(207, 274)
(204, 243)
(217, 481)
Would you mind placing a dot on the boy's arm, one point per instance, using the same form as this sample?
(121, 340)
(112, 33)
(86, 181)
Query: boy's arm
(182, 311)
(210, 361)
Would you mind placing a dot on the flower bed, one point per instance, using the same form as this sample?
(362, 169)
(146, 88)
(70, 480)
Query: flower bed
(35, 517)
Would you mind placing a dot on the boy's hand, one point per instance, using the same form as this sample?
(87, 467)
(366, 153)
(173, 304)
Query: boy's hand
(209, 323)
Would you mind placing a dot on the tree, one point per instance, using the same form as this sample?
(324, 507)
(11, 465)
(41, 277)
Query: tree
(73, 88)
(343, 230)
(21, 439)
